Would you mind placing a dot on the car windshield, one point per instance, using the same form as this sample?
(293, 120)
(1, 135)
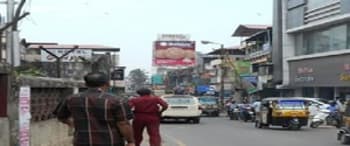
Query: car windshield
(291, 105)
(178, 100)
(207, 100)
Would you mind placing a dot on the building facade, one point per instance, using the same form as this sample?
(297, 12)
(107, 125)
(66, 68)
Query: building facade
(312, 47)
(257, 45)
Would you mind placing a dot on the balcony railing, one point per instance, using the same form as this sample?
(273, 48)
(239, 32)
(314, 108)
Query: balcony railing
(258, 54)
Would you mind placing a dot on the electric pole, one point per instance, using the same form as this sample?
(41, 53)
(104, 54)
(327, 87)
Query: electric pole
(9, 34)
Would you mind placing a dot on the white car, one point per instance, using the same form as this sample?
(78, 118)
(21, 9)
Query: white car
(316, 105)
(182, 107)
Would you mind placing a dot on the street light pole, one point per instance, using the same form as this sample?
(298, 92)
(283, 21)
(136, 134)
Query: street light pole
(223, 70)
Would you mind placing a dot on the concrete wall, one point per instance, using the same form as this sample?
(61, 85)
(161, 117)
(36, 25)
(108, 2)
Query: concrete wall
(4, 132)
(50, 133)
(45, 95)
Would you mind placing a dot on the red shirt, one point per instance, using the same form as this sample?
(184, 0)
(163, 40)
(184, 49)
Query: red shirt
(147, 105)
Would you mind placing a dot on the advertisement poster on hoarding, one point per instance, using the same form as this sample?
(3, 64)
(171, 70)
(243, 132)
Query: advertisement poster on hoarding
(71, 57)
(174, 53)
(24, 116)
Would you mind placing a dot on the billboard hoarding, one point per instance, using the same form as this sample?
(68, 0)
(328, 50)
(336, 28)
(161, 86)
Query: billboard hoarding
(174, 53)
(71, 57)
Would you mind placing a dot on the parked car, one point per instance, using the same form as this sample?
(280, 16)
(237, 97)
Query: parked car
(182, 107)
(210, 105)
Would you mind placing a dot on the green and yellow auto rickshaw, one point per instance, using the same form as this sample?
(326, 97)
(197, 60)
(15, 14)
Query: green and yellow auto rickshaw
(291, 113)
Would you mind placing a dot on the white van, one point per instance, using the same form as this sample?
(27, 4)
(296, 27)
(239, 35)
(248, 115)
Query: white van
(182, 107)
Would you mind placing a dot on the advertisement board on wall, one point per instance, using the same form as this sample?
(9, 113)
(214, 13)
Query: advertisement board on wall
(71, 57)
(24, 116)
(174, 53)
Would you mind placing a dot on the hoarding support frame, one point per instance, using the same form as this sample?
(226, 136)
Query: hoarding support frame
(58, 58)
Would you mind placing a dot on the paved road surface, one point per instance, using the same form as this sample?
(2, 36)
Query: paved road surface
(223, 132)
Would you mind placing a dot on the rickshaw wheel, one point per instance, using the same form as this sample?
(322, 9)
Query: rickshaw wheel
(344, 139)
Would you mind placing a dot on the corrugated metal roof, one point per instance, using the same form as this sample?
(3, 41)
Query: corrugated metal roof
(71, 46)
(245, 30)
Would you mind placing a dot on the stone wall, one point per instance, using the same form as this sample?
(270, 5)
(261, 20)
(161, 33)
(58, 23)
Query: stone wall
(46, 93)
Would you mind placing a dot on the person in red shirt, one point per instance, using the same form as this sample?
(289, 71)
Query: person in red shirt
(147, 113)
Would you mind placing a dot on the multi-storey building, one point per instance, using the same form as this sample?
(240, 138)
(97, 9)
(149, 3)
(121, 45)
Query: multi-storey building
(257, 45)
(311, 53)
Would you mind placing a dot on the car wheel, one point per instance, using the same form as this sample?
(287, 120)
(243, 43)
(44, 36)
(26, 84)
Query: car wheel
(196, 120)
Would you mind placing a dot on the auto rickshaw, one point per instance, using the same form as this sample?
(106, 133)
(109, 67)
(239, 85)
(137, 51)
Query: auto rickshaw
(291, 113)
(344, 132)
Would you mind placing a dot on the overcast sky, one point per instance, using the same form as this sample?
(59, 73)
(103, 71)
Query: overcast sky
(132, 25)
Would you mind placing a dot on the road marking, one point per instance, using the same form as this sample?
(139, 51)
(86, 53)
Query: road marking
(175, 140)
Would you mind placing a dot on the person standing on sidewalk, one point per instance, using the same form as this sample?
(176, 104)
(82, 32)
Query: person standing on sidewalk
(99, 118)
(147, 111)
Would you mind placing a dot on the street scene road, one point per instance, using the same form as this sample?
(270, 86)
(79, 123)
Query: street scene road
(100, 72)
(224, 132)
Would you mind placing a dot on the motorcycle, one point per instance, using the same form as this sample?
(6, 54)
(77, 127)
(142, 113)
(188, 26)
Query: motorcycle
(247, 113)
(234, 113)
(327, 117)
(320, 118)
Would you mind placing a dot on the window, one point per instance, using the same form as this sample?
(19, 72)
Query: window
(323, 40)
(180, 100)
(348, 38)
(312, 4)
(308, 92)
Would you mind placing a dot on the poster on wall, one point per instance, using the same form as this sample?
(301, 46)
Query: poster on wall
(174, 53)
(24, 116)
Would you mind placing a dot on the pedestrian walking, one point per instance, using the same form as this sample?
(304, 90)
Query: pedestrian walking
(99, 118)
(147, 110)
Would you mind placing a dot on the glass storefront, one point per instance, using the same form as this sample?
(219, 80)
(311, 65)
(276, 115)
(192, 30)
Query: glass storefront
(323, 40)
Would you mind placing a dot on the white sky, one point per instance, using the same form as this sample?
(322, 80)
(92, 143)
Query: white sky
(133, 25)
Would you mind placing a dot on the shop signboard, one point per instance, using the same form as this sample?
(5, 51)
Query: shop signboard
(321, 72)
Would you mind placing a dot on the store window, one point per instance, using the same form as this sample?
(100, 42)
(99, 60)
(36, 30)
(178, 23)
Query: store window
(323, 40)
(308, 92)
(348, 39)
(312, 4)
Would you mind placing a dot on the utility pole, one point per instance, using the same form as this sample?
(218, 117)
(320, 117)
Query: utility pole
(222, 76)
(9, 34)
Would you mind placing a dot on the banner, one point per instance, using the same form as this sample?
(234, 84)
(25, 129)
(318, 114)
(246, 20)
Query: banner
(242, 67)
(157, 80)
(174, 53)
(24, 116)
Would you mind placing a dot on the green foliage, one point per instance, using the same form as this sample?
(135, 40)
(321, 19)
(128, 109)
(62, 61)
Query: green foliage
(137, 78)
(28, 70)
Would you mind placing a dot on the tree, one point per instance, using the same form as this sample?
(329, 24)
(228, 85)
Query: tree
(137, 78)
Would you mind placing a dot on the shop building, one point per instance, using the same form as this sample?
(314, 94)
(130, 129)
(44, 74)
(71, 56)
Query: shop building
(312, 48)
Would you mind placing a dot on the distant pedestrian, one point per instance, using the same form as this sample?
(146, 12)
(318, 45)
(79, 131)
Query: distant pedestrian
(147, 110)
(99, 118)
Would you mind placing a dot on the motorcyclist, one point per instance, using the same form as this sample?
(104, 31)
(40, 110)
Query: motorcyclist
(335, 113)
(333, 107)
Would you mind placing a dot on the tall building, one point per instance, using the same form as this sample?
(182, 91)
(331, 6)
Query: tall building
(311, 54)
